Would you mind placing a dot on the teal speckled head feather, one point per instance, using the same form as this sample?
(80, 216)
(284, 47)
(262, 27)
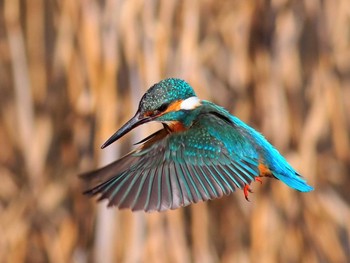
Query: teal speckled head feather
(165, 92)
(203, 152)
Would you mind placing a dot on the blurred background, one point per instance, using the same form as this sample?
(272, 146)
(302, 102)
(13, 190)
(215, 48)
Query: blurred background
(71, 72)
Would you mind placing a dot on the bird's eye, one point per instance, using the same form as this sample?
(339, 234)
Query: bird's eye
(163, 107)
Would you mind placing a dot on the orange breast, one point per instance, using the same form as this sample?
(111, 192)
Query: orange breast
(176, 126)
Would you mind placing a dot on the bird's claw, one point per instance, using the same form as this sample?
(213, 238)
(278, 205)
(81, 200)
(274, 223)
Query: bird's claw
(258, 179)
(246, 191)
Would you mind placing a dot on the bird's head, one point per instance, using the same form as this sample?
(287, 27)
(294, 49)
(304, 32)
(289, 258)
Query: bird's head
(166, 101)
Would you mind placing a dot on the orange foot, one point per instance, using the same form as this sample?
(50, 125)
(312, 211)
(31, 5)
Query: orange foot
(258, 179)
(246, 191)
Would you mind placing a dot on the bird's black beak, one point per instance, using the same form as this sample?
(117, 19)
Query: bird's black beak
(131, 124)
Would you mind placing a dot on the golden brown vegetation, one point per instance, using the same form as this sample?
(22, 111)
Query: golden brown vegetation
(72, 71)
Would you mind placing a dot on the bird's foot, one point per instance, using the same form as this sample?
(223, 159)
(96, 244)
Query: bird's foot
(258, 179)
(246, 191)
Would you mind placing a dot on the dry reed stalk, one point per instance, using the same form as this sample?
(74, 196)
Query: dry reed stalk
(72, 72)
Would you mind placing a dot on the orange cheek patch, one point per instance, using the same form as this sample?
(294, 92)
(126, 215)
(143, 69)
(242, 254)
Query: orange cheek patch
(148, 113)
(175, 126)
(175, 106)
(264, 170)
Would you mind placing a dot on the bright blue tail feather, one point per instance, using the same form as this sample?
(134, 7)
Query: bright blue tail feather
(296, 182)
(278, 165)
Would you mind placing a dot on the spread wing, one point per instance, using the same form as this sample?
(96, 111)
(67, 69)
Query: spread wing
(172, 170)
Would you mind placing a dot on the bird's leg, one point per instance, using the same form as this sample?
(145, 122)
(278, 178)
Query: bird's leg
(246, 191)
(258, 179)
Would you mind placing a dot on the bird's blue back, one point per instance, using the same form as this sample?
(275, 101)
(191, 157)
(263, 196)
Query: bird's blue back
(255, 145)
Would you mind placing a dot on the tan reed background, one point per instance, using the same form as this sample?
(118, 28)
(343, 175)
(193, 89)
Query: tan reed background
(71, 72)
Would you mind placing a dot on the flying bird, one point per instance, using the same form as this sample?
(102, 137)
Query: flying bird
(201, 153)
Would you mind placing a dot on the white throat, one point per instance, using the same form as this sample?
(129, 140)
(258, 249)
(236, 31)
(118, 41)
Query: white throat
(190, 103)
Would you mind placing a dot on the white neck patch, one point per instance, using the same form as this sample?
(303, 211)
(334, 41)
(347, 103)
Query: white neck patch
(190, 103)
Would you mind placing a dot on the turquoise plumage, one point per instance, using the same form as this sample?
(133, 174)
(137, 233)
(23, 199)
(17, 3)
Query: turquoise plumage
(203, 152)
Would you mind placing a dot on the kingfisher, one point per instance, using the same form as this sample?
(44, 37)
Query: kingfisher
(201, 153)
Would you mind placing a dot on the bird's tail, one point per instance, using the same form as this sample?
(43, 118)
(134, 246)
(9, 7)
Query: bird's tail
(296, 181)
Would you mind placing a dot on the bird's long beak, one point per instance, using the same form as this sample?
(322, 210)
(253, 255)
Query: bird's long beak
(131, 124)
